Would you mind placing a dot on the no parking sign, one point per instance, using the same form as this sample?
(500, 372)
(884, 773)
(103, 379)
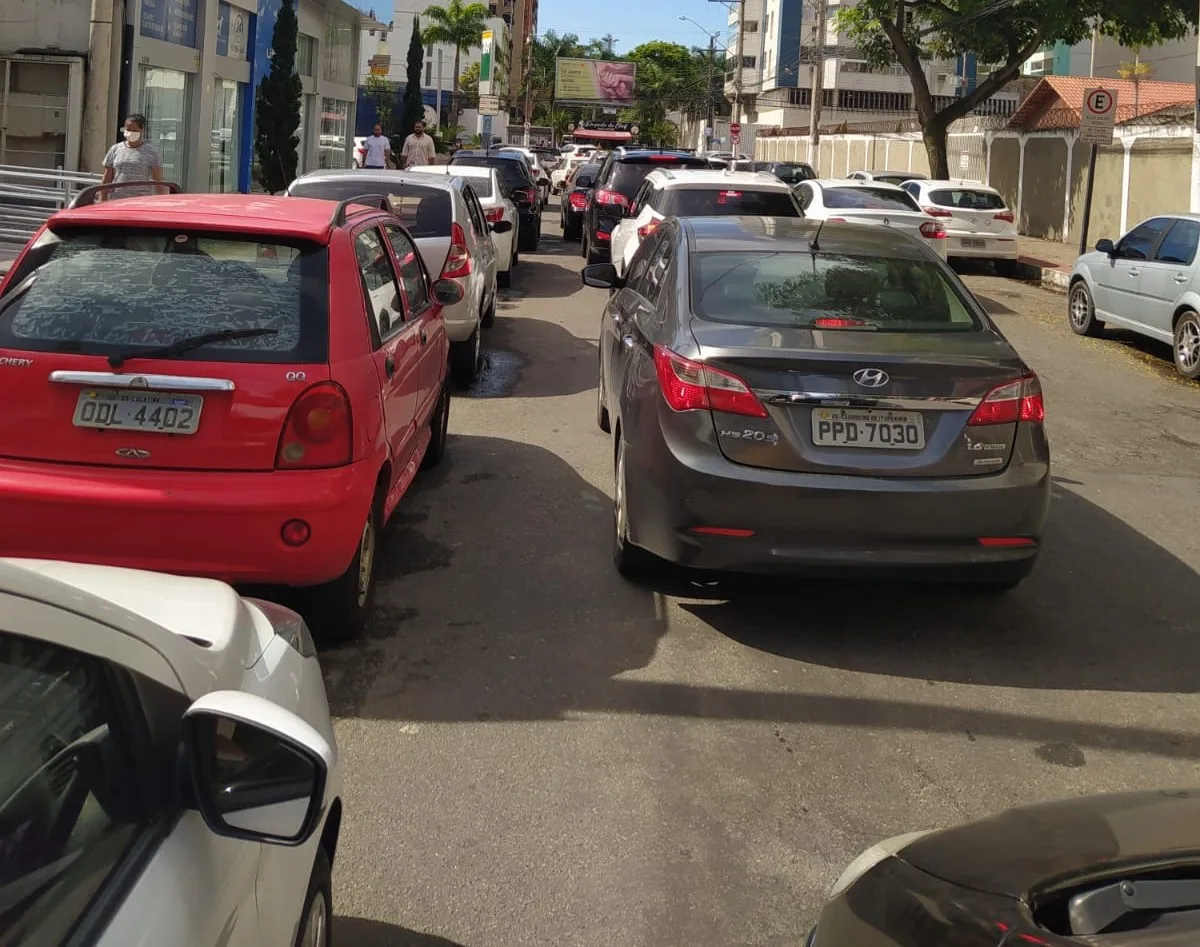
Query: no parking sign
(1098, 117)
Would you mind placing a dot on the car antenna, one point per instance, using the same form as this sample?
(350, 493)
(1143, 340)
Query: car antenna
(814, 245)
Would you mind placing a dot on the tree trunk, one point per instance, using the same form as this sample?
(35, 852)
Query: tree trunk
(454, 90)
(934, 134)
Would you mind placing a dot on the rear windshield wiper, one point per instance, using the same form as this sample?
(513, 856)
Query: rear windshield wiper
(186, 345)
(21, 289)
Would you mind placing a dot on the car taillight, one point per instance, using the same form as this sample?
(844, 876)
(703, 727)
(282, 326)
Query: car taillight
(837, 322)
(458, 260)
(610, 198)
(692, 386)
(933, 230)
(1019, 400)
(648, 228)
(577, 199)
(495, 215)
(318, 430)
(936, 211)
(1006, 216)
(836, 220)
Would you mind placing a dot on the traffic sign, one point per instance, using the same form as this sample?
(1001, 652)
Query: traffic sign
(1098, 117)
(735, 132)
(489, 105)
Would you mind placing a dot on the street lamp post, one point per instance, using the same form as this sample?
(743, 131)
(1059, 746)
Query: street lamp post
(712, 56)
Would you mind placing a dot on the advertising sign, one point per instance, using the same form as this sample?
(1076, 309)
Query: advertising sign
(172, 21)
(233, 32)
(594, 81)
(489, 105)
(487, 41)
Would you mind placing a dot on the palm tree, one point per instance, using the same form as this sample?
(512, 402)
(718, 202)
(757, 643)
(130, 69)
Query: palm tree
(460, 26)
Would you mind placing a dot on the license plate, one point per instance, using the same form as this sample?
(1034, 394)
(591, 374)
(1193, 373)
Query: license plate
(120, 409)
(971, 243)
(849, 427)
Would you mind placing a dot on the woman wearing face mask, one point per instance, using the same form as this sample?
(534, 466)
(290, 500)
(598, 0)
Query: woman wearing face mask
(133, 159)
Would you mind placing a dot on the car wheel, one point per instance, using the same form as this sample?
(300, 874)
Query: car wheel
(1187, 345)
(464, 360)
(1006, 268)
(1081, 311)
(316, 920)
(504, 277)
(338, 610)
(631, 561)
(488, 319)
(439, 427)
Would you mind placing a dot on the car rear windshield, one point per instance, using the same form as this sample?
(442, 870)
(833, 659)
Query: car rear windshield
(968, 199)
(482, 186)
(629, 174)
(790, 173)
(825, 291)
(515, 172)
(710, 202)
(896, 179)
(868, 198)
(424, 210)
(109, 291)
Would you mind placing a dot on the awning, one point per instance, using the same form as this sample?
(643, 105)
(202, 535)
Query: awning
(602, 135)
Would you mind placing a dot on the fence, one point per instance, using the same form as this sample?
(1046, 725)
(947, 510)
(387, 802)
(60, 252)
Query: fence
(1042, 175)
(28, 197)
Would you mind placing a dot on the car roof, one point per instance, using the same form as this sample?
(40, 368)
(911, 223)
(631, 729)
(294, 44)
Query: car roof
(456, 171)
(675, 178)
(851, 182)
(958, 185)
(257, 214)
(912, 175)
(412, 176)
(625, 154)
(794, 235)
(505, 156)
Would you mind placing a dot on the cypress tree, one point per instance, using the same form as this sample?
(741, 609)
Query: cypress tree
(277, 105)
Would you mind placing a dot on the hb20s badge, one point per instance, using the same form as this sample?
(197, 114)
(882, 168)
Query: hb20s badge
(749, 434)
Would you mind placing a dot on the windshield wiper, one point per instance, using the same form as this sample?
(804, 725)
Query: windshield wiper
(20, 291)
(186, 345)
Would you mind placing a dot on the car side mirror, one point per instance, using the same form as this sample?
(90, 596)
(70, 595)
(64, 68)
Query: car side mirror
(601, 276)
(258, 771)
(1105, 246)
(501, 226)
(447, 292)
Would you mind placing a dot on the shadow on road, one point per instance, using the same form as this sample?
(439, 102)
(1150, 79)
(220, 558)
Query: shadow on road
(533, 358)
(548, 279)
(360, 932)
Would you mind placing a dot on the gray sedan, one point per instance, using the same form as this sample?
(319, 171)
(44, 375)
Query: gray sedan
(791, 396)
(1147, 282)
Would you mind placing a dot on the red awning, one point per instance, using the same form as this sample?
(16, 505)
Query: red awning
(602, 135)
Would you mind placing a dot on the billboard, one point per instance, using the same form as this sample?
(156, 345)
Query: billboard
(594, 82)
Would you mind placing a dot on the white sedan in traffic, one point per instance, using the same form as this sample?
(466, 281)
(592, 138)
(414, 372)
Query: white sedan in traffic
(168, 769)
(873, 204)
(979, 223)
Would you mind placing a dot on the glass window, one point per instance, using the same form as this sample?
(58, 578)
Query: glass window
(130, 290)
(379, 281)
(1140, 241)
(805, 195)
(226, 136)
(710, 202)
(416, 288)
(482, 186)
(172, 21)
(868, 198)
(424, 210)
(428, 73)
(337, 65)
(792, 173)
(639, 266)
(68, 810)
(475, 212)
(306, 55)
(965, 199)
(164, 98)
(824, 291)
(656, 273)
(233, 31)
(335, 117)
(1180, 244)
(306, 115)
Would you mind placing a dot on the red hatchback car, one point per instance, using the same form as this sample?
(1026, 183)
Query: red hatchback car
(233, 386)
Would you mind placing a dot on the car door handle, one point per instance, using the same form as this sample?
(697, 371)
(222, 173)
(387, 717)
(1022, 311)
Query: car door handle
(389, 366)
(424, 336)
(1181, 277)
(1133, 273)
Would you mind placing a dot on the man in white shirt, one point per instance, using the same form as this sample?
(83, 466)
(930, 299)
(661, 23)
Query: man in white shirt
(419, 148)
(376, 149)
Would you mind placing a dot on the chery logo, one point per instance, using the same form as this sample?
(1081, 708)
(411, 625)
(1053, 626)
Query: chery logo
(7, 362)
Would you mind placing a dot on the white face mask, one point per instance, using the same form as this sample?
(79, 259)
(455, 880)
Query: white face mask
(132, 137)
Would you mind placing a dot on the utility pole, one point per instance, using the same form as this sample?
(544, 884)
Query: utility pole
(737, 76)
(818, 88)
(712, 110)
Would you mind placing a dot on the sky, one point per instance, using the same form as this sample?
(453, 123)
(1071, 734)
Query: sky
(634, 22)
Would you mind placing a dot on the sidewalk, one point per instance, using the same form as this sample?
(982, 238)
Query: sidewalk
(1047, 260)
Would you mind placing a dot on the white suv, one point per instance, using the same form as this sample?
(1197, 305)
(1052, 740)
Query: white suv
(698, 193)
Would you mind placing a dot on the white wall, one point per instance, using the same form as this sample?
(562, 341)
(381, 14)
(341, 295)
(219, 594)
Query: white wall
(44, 24)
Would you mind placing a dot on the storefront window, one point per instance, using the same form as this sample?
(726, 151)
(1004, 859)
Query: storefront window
(306, 56)
(172, 21)
(233, 31)
(338, 66)
(306, 111)
(164, 98)
(335, 116)
(226, 136)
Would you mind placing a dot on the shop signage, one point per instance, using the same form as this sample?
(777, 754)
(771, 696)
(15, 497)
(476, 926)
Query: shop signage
(607, 126)
(172, 21)
(233, 32)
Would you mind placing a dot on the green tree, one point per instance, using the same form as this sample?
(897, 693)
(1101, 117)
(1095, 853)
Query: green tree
(460, 26)
(414, 101)
(277, 106)
(468, 86)
(1001, 32)
(669, 77)
(383, 96)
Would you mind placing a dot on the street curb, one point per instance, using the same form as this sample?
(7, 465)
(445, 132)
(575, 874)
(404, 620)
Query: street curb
(1050, 275)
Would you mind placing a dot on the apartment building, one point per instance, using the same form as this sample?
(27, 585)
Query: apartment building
(1173, 61)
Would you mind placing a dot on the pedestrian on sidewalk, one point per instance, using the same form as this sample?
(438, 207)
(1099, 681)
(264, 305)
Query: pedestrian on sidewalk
(131, 160)
(419, 148)
(377, 149)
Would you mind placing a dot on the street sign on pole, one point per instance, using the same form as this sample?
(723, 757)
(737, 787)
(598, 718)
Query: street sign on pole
(735, 132)
(1097, 120)
(489, 105)
(485, 132)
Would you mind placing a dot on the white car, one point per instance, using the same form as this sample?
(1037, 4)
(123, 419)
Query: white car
(169, 769)
(979, 224)
(886, 177)
(697, 193)
(489, 188)
(560, 175)
(540, 177)
(874, 204)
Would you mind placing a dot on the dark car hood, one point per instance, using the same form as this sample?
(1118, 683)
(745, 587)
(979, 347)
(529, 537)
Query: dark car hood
(1039, 847)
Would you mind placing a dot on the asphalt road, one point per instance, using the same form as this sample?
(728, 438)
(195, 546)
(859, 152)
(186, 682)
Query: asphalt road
(540, 753)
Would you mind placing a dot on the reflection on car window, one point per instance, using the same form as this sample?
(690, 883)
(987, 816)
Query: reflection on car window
(1139, 242)
(1180, 244)
(697, 202)
(415, 288)
(967, 199)
(68, 809)
(379, 280)
(868, 198)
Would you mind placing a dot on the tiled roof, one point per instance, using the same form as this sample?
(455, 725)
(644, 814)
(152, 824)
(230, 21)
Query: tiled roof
(1056, 101)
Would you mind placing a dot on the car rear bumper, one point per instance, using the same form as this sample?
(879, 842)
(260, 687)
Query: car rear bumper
(218, 524)
(830, 524)
(994, 248)
(463, 317)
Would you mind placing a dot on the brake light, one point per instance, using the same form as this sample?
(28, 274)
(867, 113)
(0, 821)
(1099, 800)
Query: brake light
(1006, 216)
(1019, 400)
(836, 220)
(691, 386)
(1005, 542)
(578, 200)
(664, 157)
(837, 322)
(318, 430)
(932, 230)
(458, 260)
(525, 194)
(603, 235)
(937, 211)
(610, 198)
(495, 215)
(648, 228)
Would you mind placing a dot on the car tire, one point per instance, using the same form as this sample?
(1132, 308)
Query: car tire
(488, 319)
(603, 421)
(529, 239)
(316, 920)
(439, 427)
(504, 277)
(631, 561)
(1186, 346)
(338, 610)
(464, 360)
(1081, 311)
(1006, 268)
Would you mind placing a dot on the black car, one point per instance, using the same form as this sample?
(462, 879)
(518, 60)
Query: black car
(1119, 870)
(522, 190)
(619, 177)
(574, 203)
(789, 172)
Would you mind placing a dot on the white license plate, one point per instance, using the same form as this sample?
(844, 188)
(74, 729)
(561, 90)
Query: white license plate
(121, 409)
(970, 243)
(852, 427)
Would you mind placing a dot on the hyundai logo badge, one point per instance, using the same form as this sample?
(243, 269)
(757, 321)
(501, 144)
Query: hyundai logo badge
(871, 377)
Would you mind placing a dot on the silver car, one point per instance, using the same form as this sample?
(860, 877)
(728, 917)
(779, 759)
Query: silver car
(452, 234)
(1147, 282)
